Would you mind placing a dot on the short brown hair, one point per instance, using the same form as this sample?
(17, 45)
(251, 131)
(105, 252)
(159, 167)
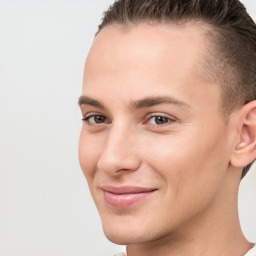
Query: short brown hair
(232, 59)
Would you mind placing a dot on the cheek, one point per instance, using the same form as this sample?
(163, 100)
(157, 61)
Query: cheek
(193, 159)
(191, 173)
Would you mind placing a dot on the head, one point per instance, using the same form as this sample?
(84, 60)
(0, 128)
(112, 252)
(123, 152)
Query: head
(231, 35)
(169, 110)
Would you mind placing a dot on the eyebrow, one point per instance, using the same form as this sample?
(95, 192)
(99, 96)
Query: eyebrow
(156, 100)
(136, 104)
(85, 100)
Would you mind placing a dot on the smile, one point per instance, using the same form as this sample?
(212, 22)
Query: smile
(124, 197)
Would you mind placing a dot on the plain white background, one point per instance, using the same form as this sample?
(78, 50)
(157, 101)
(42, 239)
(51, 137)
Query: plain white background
(45, 205)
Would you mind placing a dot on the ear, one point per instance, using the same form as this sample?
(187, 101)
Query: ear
(245, 149)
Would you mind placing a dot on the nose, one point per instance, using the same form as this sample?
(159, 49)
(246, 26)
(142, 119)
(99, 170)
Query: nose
(119, 152)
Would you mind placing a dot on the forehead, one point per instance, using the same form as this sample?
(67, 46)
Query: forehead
(145, 45)
(156, 59)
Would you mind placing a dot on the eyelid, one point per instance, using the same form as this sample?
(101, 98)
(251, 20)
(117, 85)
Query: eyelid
(92, 113)
(154, 114)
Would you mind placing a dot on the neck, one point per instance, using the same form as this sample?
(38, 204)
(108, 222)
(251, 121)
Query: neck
(216, 231)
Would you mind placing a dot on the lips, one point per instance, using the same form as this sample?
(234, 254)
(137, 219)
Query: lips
(126, 196)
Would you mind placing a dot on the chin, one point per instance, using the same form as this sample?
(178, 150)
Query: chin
(123, 237)
(129, 231)
(117, 238)
(124, 232)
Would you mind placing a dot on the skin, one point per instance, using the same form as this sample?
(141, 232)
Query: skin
(192, 157)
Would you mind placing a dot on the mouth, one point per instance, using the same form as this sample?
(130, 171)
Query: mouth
(126, 196)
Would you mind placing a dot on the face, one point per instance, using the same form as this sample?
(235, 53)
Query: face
(154, 146)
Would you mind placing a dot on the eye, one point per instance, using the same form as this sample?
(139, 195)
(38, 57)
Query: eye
(95, 119)
(159, 120)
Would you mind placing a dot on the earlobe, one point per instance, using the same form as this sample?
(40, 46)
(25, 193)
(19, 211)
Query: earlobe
(245, 150)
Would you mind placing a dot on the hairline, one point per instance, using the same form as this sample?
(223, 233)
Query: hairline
(208, 58)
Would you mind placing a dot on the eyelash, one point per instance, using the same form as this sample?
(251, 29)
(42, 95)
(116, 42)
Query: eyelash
(167, 120)
(86, 119)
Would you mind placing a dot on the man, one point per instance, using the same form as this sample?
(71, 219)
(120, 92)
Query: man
(169, 111)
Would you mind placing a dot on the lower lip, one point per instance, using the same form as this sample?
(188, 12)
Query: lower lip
(124, 200)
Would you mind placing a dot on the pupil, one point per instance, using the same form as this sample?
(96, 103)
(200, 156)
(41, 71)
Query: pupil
(99, 119)
(161, 120)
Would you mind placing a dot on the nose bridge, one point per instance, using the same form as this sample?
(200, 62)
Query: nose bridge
(121, 138)
(119, 150)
